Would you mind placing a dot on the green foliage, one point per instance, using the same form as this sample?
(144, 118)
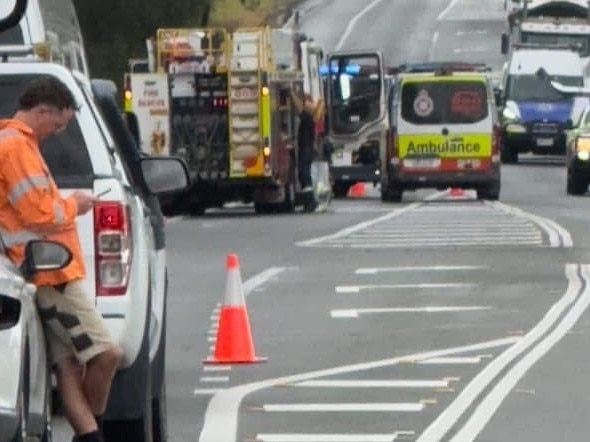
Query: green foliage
(116, 30)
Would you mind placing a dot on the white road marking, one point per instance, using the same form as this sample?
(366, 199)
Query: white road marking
(214, 379)
(353, 23)
(452, 360)
(355, 313)
(375, 270)
(209, 367)
(469, 50)
(486, 409)
(205, 392)
(359, 288)
(433, 45)
(450, 6)
(472, 32)
(220, 422)
(448, 418)
(355, 228)
(304, 437)
(362, 407)
(409, 383)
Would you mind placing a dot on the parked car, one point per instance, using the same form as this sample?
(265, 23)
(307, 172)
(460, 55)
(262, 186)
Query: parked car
(129, 284)
(25, 384)
(578, 153)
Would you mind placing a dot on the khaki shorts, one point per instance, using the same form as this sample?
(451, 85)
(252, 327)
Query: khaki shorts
(72, 324)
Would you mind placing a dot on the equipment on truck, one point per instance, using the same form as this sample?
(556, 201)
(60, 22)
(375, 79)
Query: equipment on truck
(549, 23)
(221, 101)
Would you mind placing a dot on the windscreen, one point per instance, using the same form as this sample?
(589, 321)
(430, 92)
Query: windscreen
(66, 154)
(532, 87)
(579, 41)
(356, 87)
(444, 102)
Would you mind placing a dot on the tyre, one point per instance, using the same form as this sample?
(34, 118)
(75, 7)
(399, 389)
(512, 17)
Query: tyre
(340, 189)
(491, 192)
(23, 402)
(508, 155)
(391, 194)
(576, 184)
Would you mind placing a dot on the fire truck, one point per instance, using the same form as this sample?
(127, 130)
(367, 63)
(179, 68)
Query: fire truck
(221, 101)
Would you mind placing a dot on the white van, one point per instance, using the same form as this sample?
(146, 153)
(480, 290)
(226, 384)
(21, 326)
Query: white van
(49, 31)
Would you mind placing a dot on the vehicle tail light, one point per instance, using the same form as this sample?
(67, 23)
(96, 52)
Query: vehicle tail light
(113, 251)
(496, 143)
(9, 312)
(392, 148)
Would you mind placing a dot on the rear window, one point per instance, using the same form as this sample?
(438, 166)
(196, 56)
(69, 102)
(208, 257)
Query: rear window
(66, 154)
(444, 102)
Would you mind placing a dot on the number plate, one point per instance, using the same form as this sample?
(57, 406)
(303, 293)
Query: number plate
(544, 142)
(468, 164)
(243, 93)
(422, 163)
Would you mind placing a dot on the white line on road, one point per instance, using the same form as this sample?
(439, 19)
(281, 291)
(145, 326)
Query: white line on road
(363, 407)
(345, 383)
(472, 32)
(304, 437)
(359, 288)
(217, 368)
(452, 360)
(261, 278)
(469, 50)
(450, 6)
(355, 313)
(214, 379)
(433, 45)
(375, 270)
(220, 422)
(490, 404)
(353, 22)
(205, 392)
(448, 418)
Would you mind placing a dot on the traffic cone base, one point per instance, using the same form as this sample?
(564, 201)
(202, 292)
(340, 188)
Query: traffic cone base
(456, 192)
(357, 190)
(233, 345)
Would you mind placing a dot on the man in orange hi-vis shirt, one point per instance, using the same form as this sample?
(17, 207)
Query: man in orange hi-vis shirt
(83, 354)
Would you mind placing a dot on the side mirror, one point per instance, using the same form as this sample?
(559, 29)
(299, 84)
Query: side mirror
(498, 97)
(43, 255)
(505, 44)
(569, 124)
(165, 174)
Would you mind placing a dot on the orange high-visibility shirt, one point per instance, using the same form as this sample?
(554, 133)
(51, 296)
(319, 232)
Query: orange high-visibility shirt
(31, 206)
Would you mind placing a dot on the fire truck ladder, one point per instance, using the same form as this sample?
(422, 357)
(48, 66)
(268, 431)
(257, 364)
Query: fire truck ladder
(249, 105)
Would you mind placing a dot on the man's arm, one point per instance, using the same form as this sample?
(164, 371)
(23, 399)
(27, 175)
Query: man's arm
(29, 192)
(297, 102)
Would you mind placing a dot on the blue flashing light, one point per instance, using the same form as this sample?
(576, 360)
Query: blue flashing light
(351, 69)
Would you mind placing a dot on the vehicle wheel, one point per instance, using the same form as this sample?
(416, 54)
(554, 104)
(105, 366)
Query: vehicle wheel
(508, 156)
(576, 185)
(288, 205)
(392, 194)
(264, 208)
(492, 192)
(159, 409)
(47, 435)
(340, 189)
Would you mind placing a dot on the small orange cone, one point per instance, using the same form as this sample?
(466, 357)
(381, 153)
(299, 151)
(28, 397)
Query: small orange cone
(457, 192)
(234, 342)
(358, 190)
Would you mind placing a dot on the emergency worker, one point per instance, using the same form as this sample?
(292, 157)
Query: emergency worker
(83, 355)
(305, 147)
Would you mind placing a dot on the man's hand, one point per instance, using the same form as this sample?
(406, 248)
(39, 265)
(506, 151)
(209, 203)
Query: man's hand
(84, 201)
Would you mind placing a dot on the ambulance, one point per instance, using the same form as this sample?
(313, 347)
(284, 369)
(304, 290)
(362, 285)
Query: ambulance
(443, 132)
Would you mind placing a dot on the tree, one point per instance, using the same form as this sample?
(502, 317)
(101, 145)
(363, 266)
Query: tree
(116, 30)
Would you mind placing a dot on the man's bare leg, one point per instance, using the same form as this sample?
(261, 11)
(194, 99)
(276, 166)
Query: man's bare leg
(100, 371)
(68, 373)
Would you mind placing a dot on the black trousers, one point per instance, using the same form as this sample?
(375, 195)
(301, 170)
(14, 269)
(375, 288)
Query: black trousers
(304, 167)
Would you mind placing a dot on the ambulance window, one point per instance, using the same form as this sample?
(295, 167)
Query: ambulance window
(442, 102)
(66, 154)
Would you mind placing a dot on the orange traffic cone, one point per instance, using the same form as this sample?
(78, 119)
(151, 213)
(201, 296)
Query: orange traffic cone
(457, 192)
(234, 342)
(358, 190)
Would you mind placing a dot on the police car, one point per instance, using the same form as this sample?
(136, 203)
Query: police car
(127, 277)
(443, 133)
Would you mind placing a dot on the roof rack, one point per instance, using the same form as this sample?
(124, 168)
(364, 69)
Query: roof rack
(442, 67)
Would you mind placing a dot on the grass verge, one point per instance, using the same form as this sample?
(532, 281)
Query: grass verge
(232, 13)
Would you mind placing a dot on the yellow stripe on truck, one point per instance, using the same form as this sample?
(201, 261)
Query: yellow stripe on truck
(454, 146)
(264, 115)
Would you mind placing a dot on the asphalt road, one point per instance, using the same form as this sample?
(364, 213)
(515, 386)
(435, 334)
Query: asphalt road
(440, 318)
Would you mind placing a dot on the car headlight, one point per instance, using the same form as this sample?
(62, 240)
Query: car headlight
(583, 155)
(510, 114)
(583, 148)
